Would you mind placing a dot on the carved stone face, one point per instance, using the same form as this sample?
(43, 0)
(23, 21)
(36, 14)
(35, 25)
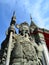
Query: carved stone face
(24, 28)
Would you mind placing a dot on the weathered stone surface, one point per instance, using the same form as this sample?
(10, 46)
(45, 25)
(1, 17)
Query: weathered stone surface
(24, 48)
(24, 52)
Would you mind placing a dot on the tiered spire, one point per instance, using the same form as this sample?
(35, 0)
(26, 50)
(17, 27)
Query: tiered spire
(32, 24)
(11, 30)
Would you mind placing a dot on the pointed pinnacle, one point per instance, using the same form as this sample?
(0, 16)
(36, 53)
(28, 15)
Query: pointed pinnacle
(13, 20)
(14, 17)
(14, 13)
(30, 17)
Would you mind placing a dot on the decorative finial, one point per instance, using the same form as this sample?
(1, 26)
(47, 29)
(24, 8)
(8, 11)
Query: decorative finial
(13, 20)
(30, 17)
(14, 13)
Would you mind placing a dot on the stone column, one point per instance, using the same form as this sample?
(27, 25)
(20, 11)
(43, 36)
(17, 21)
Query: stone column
(9, 50)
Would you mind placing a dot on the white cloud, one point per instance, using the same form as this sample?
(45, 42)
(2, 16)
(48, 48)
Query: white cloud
(37, 8)
(37, 12)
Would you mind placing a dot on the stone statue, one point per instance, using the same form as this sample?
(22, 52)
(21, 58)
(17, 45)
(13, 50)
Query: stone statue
(21, 48)
(24, 51)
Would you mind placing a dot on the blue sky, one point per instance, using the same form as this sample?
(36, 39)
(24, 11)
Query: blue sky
(39, 9)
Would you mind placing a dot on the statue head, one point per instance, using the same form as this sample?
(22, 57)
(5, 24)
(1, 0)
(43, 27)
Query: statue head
(24, 28)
